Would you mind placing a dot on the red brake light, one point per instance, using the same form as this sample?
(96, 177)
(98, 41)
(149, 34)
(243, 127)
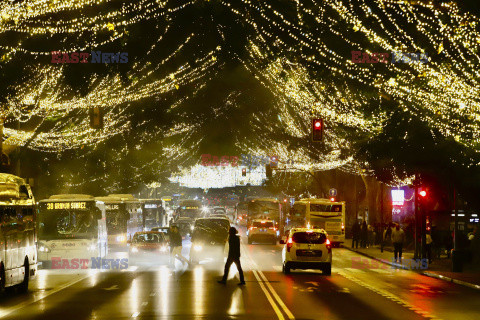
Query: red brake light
(329, 245)
(289, 244)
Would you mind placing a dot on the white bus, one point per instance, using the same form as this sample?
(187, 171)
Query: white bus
(320, 214)
(124, 217)
(18, 259)
(71, 226)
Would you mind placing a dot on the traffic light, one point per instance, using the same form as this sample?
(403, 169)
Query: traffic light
(317, 130)
(96, 118)
(423, 193)
(268, 171)
(244, 172)
(332, 199)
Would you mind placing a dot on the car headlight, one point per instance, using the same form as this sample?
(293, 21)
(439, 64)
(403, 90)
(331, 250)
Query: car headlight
(134, 249)
(121, 238)
(191, 228)
(163, 249)
(197, 247)
(43, 249)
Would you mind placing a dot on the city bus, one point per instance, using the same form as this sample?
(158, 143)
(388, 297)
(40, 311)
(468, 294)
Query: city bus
(71, 226)
(124, 217)
(153, 214)
(189, 209)
(18, 259)
(319, 214)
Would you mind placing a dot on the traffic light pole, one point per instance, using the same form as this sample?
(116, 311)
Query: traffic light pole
(415, 198)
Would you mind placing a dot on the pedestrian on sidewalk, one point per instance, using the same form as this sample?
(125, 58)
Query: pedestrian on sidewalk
(355, 234)
(428, 246)
(233, 256)
(176, 246)
(364, 235)
(475, 246)
(398, 238)
(371, 236)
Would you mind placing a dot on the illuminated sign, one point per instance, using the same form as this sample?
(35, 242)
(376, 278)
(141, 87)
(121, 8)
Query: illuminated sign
(398, 197)
(191, 208)
(151, 206)
(112, 207)
(66, 205)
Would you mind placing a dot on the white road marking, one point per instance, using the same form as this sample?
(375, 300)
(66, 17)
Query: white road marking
(5, 312)
(271, 292)
(390, 296)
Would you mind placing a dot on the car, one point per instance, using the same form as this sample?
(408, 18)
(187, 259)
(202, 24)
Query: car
(219, 210)
(150, 246)
(262, 231)
(185, 225)
(219, 215)
(164, 230)
(307, 249)
(242, 220)
(209, 239)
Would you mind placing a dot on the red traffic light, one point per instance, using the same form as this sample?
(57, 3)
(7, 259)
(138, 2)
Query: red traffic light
(317, 130)
(423, 193)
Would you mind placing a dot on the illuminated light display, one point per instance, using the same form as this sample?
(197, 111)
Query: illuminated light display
(443, 92)
(398, 197)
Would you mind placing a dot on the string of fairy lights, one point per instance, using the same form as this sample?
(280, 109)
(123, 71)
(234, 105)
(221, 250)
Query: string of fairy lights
(313, 77)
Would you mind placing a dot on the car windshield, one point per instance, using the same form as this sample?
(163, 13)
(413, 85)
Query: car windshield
(309, 237)
(263, 224)
(148, 238)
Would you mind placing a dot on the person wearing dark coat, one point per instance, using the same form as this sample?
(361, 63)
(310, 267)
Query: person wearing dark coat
(233, 256)
(364, 235)
(355, 234)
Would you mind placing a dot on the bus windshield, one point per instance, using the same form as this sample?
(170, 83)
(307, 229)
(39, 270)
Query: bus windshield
(316, 207)
(117, 218)
(63, 224)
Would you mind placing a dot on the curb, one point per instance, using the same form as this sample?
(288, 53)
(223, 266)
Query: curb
(460, 282)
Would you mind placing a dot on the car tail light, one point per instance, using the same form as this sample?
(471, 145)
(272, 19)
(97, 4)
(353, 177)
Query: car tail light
(289, 244)
(329, 246)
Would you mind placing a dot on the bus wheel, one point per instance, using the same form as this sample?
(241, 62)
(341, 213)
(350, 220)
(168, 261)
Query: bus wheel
(23, 287)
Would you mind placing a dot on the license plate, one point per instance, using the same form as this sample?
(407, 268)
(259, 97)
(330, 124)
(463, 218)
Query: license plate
(309, 253)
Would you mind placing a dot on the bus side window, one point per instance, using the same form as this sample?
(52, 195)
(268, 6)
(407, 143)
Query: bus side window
(8, 215)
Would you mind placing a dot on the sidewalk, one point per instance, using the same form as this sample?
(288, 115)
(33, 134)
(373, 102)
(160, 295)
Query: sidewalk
(439, 268)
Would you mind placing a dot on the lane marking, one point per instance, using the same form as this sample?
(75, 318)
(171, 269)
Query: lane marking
(280, 302)
(390, 296)
(269, 297)
(6, 312)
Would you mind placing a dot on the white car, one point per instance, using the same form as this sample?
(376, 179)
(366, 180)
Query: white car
(262, 231)
(307, 249)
